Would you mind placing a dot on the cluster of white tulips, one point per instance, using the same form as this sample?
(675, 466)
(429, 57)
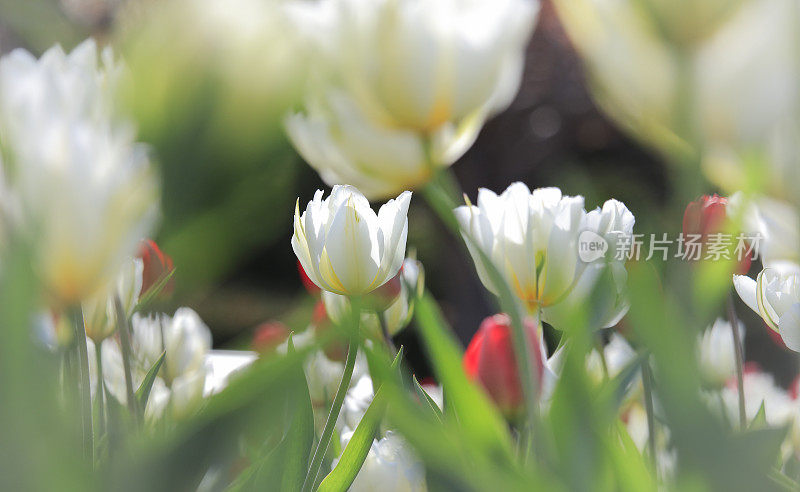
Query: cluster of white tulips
(597, 370)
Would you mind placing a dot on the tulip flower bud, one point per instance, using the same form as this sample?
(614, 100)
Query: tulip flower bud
(707, 216)
(309, 284)
(157, 265)
(344, 246)
(490, 360)
(268, 336)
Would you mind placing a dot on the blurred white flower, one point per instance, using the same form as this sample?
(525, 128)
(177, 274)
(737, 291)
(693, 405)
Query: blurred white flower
(223, 365)
(760, 387)
(774, 223)
(180, 384)
(732, 62)
(716, 352)
(344, 246)
(618, 355)
(417, 64)
(391, 466)
(82, 190)
(775, 296)
(406, 86)
(337, 139)
(323, 375)
(99, 311)
(531, 237)
(356, 401)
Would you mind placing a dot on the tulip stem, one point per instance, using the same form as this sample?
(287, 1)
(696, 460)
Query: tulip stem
(387, 337)
(101, 390)
(324, 440)
(84, 386)
(737, 350)
(601, 352)
(123, 328)
(647, 385)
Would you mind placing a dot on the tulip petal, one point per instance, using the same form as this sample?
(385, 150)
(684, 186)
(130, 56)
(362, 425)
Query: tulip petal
(746, 288)
(393, 224)
(351, 244)
(789, 327)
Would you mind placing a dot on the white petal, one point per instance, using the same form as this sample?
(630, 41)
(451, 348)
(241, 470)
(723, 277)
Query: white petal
(789, 327)
(746, 288)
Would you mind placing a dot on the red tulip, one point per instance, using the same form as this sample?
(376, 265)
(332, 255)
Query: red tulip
(268, 336)
(707, 215)
(157, 264)
(309, 284)
(490, 360)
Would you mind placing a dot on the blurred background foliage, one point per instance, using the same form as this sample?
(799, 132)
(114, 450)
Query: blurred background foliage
(230, 179)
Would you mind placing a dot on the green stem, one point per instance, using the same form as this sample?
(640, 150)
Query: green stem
(647, 384)
(598, 343)
(322, 446)
(84, 386)
(737, 349)
(123, 329)
(101, 390)
(387, 337)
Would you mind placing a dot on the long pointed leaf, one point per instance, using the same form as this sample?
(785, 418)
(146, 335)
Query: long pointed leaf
(143, 392)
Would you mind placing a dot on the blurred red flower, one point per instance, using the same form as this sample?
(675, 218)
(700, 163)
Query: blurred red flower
(490, 360)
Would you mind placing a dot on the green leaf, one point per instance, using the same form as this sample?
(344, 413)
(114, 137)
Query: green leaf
(427, 402)
(154, 290)
(760, 420)
(300, 436)
(143, 392)
(480, 421)
(358, 447)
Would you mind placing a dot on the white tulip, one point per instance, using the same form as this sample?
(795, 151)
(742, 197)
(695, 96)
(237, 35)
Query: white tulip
(618, 355)
(531, 238)
(405, 85)
(223, 365)
(180, 383)
(716, 353)
(760, 388)
(774, 223)
(602, 282)
(83, 191)
(344, 246)
(184, 337)
(323, 375)
(356, 402)
(390, 466)
(734, 62)
(775, 296)
(99, 311)
(344, 145)
(417, 64)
